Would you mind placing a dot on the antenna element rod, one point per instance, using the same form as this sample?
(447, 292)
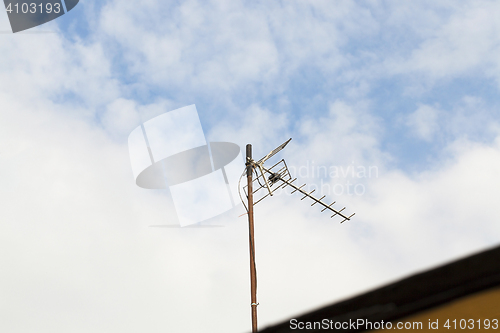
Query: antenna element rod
(253, 272)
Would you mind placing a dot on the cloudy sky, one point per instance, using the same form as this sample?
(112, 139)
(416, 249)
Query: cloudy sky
(393, 109)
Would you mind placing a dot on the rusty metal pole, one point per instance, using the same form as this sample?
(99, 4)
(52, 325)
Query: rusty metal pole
(253, 272)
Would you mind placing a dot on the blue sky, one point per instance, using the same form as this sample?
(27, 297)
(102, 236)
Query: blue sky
(409, 88)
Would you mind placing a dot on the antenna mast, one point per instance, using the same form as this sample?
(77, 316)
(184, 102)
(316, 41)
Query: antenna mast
(280, 175)
(253, 272)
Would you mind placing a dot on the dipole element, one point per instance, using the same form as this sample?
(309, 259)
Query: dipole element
(253, 272)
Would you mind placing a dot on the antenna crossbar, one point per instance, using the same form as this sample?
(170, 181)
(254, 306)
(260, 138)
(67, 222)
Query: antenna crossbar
(328, 206)
(348, 218)
(298, 188)
(318, 199)
(308, 195)
(338, 212)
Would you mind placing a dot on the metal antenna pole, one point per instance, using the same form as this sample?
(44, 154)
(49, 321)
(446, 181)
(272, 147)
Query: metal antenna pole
(272, 178)
(253, 272)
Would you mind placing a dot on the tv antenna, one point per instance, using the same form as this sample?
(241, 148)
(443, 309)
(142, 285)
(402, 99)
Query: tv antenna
(271, 179)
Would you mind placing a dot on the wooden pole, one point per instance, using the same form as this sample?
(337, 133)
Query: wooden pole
(253, 272)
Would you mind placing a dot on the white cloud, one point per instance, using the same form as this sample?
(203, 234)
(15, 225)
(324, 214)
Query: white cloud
(121, 117)
(347, 134)
(440, 213)
(424, 122)
(220, 47)
(470, 118)
(254, 125)
(39, 67)
(464, 44)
